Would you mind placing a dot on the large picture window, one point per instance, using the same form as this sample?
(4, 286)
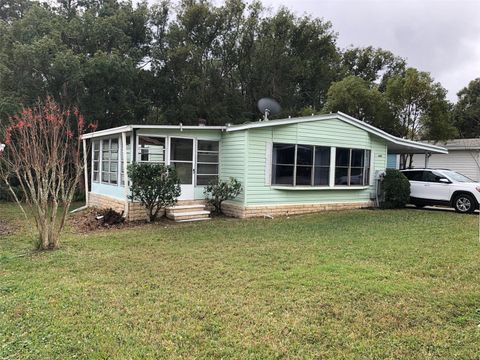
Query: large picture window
(151, 149)
(300, 165)
(207, 162)
(352, 167)
(110, 161)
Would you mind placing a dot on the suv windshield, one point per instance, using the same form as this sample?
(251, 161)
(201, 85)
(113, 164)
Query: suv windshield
(455, 176)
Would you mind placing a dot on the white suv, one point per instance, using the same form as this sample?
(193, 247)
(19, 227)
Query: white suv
(443, 187)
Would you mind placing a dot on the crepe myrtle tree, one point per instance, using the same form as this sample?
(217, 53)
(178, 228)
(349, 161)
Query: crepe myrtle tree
(42, 150)
(156, 186)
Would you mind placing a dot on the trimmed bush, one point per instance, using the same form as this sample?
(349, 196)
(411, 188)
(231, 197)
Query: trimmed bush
(219, 191)
(396, 190)
(154, 185)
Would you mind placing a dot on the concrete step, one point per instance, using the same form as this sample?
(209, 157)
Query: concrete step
(190, 202)
(177, 209)
(191, 215)
(192, 220)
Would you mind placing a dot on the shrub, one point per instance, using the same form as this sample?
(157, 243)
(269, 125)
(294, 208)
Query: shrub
(396, 189)
(154, 185)
(222, 190)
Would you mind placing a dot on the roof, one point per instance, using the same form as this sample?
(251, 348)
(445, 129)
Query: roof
(128, 128)
(394, 144)
(458, 144)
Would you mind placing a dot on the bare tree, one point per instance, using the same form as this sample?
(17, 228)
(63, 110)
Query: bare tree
(43, 151)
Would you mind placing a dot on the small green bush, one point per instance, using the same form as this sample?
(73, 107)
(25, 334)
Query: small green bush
(219, 191)
(154, 185)
(396, 190)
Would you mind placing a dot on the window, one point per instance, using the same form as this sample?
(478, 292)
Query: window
(352, 167)
(283, 164)
(300, 165)
(207, 162)
(96, 161)
(416, 175)
(151, 149)
(110, 161)
(322, 166)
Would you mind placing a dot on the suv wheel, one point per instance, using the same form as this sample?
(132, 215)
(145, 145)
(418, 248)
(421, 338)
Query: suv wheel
(464, 203)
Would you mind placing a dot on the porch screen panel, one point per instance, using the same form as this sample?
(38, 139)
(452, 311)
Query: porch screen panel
(129, 158)
(110, 161)
(151, 149)
(96, 161)
(207, 162)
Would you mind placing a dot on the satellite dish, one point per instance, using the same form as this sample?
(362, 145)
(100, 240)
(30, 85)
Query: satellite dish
(268, 106)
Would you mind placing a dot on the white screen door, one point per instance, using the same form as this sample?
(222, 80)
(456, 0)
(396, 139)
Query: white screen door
(181, 157)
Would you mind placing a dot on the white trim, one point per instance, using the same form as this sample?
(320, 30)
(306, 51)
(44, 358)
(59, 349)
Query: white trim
(326, 187)
(85, 170)
(125, 174)
(333, 158)
(127, 128)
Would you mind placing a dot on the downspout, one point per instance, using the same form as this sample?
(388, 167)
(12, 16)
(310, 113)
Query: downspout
(85, 172)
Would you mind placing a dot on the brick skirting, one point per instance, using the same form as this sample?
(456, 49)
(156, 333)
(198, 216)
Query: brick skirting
(234, 209)
(136, 211)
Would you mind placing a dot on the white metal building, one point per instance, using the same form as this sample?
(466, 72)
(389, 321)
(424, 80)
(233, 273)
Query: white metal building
(463, 156)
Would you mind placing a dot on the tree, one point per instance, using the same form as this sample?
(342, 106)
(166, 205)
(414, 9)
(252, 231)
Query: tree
(87, 54)
(360, 99)
(154, 185)
(466, 113)
(420, 108)
(372, 64)
(218, 192)
(43, 152)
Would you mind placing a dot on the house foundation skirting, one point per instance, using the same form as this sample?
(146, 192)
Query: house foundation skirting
(231, 208)
(135, 210)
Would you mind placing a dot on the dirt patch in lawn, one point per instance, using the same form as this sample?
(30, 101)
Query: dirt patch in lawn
(5, 228)
(88, 220)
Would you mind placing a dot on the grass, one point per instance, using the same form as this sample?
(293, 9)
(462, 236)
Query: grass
(353, 284)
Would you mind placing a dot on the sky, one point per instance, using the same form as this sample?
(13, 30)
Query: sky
(441, 37)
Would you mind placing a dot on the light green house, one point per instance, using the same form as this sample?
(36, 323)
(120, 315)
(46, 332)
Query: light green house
(286, 166)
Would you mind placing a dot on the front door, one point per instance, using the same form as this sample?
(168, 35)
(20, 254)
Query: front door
(181, 158)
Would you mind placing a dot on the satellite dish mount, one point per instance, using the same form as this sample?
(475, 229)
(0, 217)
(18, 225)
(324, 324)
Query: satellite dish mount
(267, 107)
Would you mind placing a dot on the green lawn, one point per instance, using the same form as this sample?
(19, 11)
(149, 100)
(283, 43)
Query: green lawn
(353, 284)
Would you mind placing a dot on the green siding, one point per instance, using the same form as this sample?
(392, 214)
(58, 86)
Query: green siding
(327, 132)
(233, 159)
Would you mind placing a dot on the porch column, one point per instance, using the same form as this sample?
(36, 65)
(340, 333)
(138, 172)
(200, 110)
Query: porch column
(85, 170)
(125, 175)
(427, 157)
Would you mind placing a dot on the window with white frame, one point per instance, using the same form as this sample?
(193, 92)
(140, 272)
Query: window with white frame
(109, 155)
(96, 161)
(352, 167)
(300, 165)
(151, 149)
(207, 162)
